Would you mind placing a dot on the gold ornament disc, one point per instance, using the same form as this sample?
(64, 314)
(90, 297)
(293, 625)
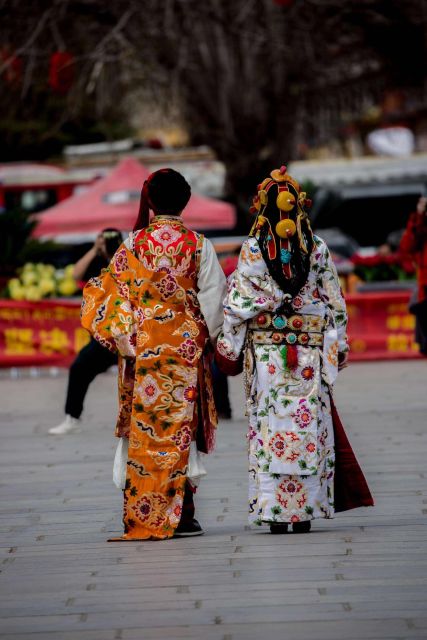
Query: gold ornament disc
(286, 228)
(285, 201)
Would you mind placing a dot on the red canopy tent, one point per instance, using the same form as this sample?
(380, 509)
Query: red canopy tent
(113, 201)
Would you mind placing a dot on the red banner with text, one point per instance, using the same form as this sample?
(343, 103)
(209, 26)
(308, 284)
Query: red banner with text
(49, 332)
(40, 333)
(380, 326)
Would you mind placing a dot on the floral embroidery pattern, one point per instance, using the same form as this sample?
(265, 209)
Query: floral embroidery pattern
(174, 511)
(190, 394)
(182, 438)
(297, 302)
(278, 445)
(120, 261)
(291, 494)
(302, 415)
(166, 235)
(149, 390)
(150, 509)
(291, 469)
(307, 373)
(188, 350)
(286, 446)
(167, 286)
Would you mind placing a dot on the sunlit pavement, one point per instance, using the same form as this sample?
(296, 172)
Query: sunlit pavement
(360, 576)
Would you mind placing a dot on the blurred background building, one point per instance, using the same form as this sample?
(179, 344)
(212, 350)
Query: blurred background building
(223, 91)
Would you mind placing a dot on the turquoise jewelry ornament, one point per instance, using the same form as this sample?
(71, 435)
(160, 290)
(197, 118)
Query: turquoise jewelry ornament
(285, 256)
(279, 322)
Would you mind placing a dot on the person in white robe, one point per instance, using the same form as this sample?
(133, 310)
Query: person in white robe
(285, 317)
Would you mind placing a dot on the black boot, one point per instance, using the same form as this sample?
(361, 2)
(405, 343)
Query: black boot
(279, 527)
(301, 527)
(189, 528)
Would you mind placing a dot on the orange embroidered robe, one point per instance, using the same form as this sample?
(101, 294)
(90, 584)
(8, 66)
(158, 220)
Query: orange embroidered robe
(145, 307)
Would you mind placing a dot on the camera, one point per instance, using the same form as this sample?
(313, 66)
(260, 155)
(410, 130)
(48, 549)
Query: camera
(113, 239)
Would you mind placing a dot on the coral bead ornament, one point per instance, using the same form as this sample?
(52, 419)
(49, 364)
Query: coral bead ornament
(263, 320)
(286, 228)
(285, 201)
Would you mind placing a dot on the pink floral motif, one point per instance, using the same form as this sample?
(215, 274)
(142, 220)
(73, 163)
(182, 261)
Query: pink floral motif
(166, 235)
(121, 261)
(144, 508)
(167, 286)
(271, 369)
(277, 445)
(150, 509)
(164, 263)
(297, 302)
(251, 433)
(190, 393)
(292, 436)
(291, 494)
(311, 447)
(302, 415)
(282, 446)
(182, 438)
(149, 390)
(307, 373)
(188, 350)
(175, 510)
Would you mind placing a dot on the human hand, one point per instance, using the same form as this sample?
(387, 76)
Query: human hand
(421, 205)
(99, 246)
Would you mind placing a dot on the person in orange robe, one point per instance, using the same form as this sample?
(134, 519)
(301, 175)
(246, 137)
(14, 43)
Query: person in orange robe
(159, 306)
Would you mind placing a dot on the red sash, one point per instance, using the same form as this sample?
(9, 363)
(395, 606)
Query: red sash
(350, 487)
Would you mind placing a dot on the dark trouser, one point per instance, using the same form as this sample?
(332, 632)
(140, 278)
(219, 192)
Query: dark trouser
(188, 505)
(91, 360)
(220, 392)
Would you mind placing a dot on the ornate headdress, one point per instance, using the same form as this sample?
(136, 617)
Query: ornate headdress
(282, 229)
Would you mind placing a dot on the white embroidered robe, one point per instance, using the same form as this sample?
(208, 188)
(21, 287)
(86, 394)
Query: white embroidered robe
(290, 437)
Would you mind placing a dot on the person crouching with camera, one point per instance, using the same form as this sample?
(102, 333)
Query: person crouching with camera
(93, 358)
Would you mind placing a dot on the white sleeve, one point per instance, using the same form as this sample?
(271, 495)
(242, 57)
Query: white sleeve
(212, 288)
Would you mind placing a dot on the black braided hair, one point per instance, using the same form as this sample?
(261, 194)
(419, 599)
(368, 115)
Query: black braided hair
(300, 261)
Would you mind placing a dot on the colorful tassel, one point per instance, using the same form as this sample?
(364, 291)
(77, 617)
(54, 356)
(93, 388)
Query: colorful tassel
(284, 354)
(289, 354)
(292, 357)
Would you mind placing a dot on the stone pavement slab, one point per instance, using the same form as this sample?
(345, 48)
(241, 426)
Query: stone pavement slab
(360, 576)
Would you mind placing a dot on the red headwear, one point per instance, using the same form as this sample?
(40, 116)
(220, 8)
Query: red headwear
(143, 218)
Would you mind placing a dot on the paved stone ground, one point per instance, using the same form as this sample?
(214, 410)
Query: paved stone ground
(360, 576)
